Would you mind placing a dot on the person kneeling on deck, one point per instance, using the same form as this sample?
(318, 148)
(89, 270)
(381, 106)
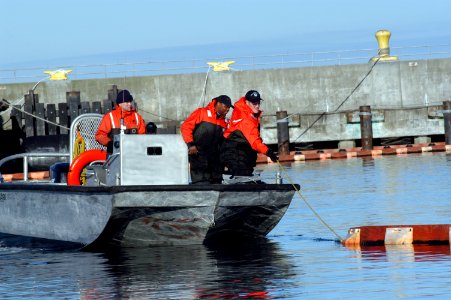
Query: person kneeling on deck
(124, 117)
(203, 132)
(242, 137)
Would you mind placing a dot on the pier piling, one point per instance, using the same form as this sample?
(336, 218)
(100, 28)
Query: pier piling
(447, 121)
(74, 101)
(366, 127)
(29, 107)
(283, 135)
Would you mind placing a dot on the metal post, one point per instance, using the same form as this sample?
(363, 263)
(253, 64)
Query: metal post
(366, 128)
(279, 179)
(447, 121)
(25, 168)
(283, 135)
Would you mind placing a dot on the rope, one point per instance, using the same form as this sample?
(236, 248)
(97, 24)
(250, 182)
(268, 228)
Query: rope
(308, 204)
(64, 127)
(20, 99)
(343, 102)
(204, 91)
(39, 118)
(80, 144)
(147, 112)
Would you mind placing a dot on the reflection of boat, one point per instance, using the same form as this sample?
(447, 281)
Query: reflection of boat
(139, 196)
(217, 271)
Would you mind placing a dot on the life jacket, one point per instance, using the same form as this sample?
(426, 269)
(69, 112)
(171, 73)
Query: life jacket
(242, 141)
(248, 124)
(204, 129)
(111, 122)
(117, 129)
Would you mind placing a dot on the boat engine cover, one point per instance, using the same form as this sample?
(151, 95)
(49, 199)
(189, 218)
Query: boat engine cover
(139, 159)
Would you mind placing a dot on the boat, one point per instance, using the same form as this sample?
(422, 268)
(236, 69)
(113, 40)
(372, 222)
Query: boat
(138, 196)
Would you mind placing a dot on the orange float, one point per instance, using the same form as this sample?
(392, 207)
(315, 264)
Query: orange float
(83, 160)
(435, 234)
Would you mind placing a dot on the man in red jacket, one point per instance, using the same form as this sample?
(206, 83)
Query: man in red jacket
(124, 117)
(242, 137)
(203, 132)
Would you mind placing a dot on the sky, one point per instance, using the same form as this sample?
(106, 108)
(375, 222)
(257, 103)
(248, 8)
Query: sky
(37, 31)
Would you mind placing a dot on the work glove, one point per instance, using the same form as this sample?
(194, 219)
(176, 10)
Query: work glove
(272, 155)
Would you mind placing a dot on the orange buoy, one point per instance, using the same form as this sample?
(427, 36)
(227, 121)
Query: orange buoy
(83, 160)
(398, 235)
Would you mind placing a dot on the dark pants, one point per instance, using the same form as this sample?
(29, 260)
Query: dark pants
(57, 170)
(239, 158)
(205, 169)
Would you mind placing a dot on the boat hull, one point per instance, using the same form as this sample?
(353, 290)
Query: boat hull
(136, 216)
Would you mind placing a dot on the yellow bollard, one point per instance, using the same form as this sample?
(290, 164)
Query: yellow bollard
(383, 38)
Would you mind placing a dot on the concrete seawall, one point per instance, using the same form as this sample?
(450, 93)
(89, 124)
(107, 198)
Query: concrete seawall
(405, 97)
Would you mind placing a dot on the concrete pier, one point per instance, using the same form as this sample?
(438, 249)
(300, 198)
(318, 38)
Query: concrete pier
(405, 97)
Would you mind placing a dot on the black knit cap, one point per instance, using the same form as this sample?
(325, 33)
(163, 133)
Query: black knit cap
(253, 96)
(124, 96)
(151, 128)
(224, 99)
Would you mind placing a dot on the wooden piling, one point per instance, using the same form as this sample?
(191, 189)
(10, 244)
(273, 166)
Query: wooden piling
(40, 117)
(51, 116)
(107, 106)
(29, 111)
(112, 93)
(283, 135)
(63, 117)
(16, 117)
(85, 107)
(73, 101)
(33, 121)
(96, 107)
(366, 127)
(447, 121)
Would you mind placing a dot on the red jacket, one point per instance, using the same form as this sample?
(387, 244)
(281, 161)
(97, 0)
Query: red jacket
(245, 121)
(203, 128)
(112, 120)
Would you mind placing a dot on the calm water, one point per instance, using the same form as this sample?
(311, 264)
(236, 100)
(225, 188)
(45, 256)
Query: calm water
(299, 259)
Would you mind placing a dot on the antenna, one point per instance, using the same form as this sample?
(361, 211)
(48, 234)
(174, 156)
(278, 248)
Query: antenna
(122, 117)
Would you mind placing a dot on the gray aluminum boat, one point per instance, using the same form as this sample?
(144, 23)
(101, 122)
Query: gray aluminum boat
(139, 196)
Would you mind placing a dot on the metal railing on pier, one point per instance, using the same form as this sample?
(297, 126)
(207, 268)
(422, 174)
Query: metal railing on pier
(281, 60)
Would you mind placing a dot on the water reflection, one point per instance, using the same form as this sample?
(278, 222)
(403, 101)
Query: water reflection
(222, 271)
(367, 161)
(238, 270)
(248, 270)
(39, 274)
(298, 260)
(405, 253)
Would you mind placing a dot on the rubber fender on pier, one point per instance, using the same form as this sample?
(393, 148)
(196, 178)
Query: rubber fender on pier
(398, 235)
(83, 160)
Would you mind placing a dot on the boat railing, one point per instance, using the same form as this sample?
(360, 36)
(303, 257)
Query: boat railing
(25, 157)
(86, 125)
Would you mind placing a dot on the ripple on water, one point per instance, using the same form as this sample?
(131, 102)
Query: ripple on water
(300, 258)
